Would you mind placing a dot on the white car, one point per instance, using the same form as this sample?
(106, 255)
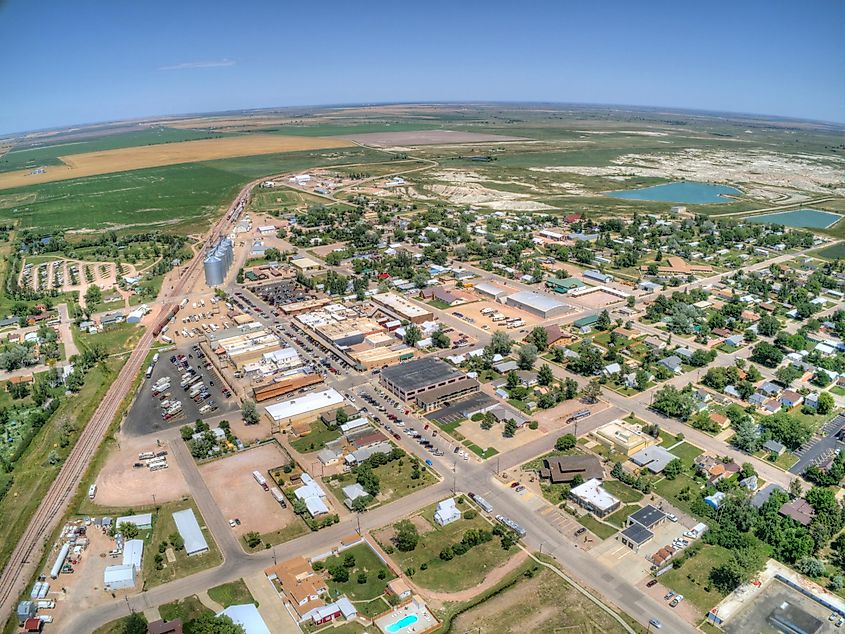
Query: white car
(672, 517)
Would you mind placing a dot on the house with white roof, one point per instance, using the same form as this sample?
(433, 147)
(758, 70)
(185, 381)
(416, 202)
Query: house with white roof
(446, 512)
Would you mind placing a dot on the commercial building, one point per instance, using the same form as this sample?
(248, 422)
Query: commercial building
(142, 520)
(303, 408)
(305, 264)
(537, 304)
(654, 458)
(593, 497)
(412, 380)
(285, 385)
(119, 577)
(379, 357)
(402, 308)
(564, 469)
(243, 344)
(490, 290)
(565, 285)
(190, 531)
(597, 276)
(622, 437)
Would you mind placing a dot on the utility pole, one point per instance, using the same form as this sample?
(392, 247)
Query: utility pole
(358, 518)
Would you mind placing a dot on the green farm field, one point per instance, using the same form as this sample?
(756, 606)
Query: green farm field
(176, 198)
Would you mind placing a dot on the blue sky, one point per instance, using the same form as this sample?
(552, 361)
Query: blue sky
(89, 61)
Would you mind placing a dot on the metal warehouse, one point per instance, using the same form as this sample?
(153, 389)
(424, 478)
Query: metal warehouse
(537, 304)
(189, 529)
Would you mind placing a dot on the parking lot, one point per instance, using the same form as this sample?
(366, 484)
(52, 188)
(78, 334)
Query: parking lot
(754, 617)
(146, 413)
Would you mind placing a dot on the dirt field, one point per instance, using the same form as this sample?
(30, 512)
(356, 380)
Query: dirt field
(474, 311)
(121, 485)
(428, 137)
(239, 495)
(544, 603)
(596, 299)
(124, 159)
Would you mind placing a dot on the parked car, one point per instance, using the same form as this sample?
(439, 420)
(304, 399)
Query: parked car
(651, 583)
(657, 624)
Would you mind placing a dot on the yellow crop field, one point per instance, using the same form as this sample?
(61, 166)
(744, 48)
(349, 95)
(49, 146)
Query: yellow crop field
(125, 159)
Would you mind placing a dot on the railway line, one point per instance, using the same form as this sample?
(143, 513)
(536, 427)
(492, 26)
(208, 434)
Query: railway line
(27, 553)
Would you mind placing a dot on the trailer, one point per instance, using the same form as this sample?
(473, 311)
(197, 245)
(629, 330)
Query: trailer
(159, 467)
(60, 561)
(481, 502)
(92, 491)
(261, 480)
(503, 519)
(146, 455)
(186, 384)
(278, 496)
(149, 372)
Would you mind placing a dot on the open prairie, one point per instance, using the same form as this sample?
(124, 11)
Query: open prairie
(126, 159)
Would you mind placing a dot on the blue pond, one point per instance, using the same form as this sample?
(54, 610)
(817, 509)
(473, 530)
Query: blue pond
(687, 192)
(804, 218)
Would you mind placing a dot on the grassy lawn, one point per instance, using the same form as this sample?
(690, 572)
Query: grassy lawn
(672, 490)
(394, 480)
(316, 439)
(599, 529)
(233, 593)
(164, 526)
(814, 420)
(365, 561)
(621, 490)
(450, 427)
(297, 528)
(481, 453)
(459, 573)
(187, 609)
(839, 391)
(371, 608)
(621, 516)
(667, 439)
(691, 579)
(687, 453)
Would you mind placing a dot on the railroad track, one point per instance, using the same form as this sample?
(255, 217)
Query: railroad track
(27, 554)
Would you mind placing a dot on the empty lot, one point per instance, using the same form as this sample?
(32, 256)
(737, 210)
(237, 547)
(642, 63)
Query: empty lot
(239, 495)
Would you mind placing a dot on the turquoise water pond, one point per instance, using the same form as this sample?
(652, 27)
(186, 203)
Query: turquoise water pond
(690, 192)
(804, 218)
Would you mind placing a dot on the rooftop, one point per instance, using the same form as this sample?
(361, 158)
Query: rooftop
(592, 491)
(419, 373)
(536, 300)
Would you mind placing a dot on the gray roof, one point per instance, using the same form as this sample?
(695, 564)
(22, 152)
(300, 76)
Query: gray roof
(189, 529)
(763, 495)
(654, 458)
(638, 534)
(420, 373)
(536, 300)
(671, 362)
(647, 516)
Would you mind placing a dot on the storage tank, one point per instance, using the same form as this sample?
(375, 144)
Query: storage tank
(214, 271)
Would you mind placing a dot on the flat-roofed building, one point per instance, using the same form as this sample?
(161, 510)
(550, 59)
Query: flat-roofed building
(444, 395)
(537, 304)
(593, 497)
(403, 308)
(303, 409)
(407, 380)
(305, 264)
(380, 357)
(490, 290)
(285, 385)
(564, 469)
(622, 437)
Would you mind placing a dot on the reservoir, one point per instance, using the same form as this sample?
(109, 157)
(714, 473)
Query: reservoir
(688, 192)
(804, 218)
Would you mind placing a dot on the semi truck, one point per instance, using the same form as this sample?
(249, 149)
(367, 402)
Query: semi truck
(261, 480)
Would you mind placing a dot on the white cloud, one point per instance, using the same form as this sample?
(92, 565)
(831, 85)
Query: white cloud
(222, 63)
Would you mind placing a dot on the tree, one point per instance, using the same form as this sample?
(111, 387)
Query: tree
(135, 623)
(253, 539)
(565, 442)
(746, 437)
(810, 566)
(249, 413)
(341, 416)
(539, 338)
(176, 541)
(406, 536)
(439, 338)
(500, 343)
(603, 322)
(207, 623)
(412, 335)
(545, 375)
(787, 374)
(512, 381)
(359, 504)
(670, 401)
(527, 356)
(767, 354)
(673, 469)
(128, 530)
(825, 404)
(510, 428)
(93, 296)
(768, 326)
(592, 391)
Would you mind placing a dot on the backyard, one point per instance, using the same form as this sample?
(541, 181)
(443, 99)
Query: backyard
(395, 480)
(692, 578)
(316, 439)
(374, 575)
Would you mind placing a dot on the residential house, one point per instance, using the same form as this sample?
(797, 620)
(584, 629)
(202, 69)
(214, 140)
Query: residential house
(791, 398)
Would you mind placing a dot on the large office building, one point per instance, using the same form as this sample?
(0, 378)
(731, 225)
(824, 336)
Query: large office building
(403, 308)
(537, 304)
(429, 382)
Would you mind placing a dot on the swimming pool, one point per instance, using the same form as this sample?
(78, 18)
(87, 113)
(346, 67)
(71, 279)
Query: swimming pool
(803, 218)
(688, 192)
(402, 623)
